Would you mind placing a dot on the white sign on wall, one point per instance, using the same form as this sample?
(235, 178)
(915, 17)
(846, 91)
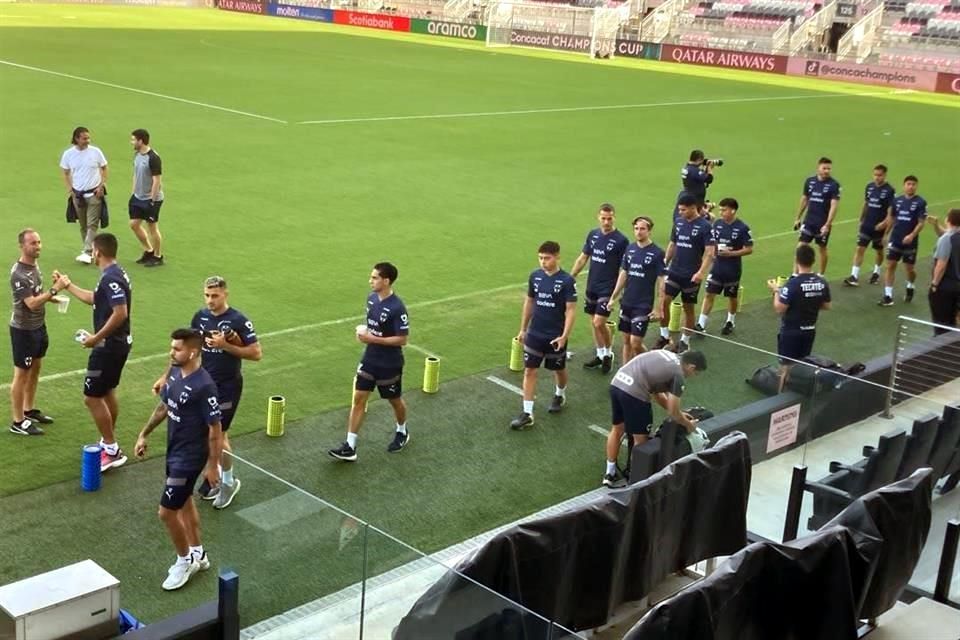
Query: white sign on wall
(783, 428)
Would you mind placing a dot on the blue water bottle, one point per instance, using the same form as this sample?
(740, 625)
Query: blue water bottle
(90, 468)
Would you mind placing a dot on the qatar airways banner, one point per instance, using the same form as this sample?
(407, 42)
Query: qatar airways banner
(765, 62)
(544, 40)
(372, 20)
(863, 73)
(948, 83)
(243, 6)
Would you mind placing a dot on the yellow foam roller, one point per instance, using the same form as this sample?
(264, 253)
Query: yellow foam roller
(431, 375)
(276, 412)
(676, 316)
(516, 356)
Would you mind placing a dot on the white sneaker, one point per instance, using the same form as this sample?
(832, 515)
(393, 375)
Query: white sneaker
(226, 494)
(85, 258)
(179, 574)
(201, 560)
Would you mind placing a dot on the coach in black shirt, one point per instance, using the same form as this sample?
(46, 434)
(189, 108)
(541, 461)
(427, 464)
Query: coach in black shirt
(944, 294)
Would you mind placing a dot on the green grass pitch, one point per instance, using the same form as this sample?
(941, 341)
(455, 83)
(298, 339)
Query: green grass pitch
(294, 215)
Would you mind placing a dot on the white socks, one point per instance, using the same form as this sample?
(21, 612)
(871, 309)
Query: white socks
(561, 391)
(352, 440)
(197, 551)
(909, 285)
(227, 477)
(703, 321)
(876, 268)
(888, 291)
(855, 272)
(111, 449)
(685, 338)
(731, 318)
(665, 332)
(528, 407)
(611, 468)
(402, 428)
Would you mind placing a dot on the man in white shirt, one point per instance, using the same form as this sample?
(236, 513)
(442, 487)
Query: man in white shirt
(85, 176)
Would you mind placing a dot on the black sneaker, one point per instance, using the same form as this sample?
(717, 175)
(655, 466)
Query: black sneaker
(681, 347)
(697, 327)
(400, 440)
(886, 301)
(344, 452)
(593, 364)
(146, 257)
(154, 261)
(908, 296)
(25, 428)
(556, 404)
(851, 281)
(521, 422)
(607, 364)
(874, 278)
(613, 481)
(206, 492)
(37, 416)
(727, 328)
(662, 343)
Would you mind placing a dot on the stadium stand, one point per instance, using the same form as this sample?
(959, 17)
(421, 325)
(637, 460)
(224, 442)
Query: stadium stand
(921, 34)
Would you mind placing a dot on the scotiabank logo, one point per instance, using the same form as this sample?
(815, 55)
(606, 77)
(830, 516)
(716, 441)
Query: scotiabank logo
(948, 83)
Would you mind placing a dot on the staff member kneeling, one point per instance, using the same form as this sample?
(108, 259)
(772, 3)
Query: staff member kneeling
(654, 374)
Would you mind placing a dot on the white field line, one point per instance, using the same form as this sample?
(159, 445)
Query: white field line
(142, 91)
(303, 327)
(600, 430)
(258, 371)
(506, 385)
(599, 107)
(429, 354)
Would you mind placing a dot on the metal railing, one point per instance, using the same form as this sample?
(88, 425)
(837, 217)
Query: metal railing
(861, 37)
(922, 361)
(813, 29)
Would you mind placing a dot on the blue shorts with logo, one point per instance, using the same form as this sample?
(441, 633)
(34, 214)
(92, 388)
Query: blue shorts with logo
(907, 253)
(179, 485)
(682, 286)
(595, 303)
(869, 236)
(795, 344)
(537, 349)
(810, 233)
(28, 345)
(228, 395)
(634, 320)
(634, 414)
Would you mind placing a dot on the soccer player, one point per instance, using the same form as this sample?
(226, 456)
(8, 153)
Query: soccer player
(689, 257)
(381, 367)
(799, 303)
(654, 375)
(603, 249)
(28, 335)
(877, 202)
(549, 311)
(640, 282)
(905, 220)
(733, 242)
(109, 343)
(147, 198)
(229, 339)
(85, 175)
(188, 400)
(821, 195)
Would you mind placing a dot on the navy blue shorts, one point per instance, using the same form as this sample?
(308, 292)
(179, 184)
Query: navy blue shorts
(683, 286)
(143, 210)
(103, 371)
(228, 395)
(795, 344)
(387, 380)
(595, 303)
(537, 349)
(726, 283)
(634, 320)
(28, 345)
(907, 253)
(178, 487)
(810, 234)
(634, 414)
(869, 236)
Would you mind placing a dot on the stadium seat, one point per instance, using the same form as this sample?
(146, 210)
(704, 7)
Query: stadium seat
(848, 482)
(946, 443)
(919, 445)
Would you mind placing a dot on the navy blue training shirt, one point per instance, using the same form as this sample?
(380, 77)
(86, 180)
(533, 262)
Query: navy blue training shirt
(550, 296)
(223, 366)
(643, 266)
(803, 294)
(877, 200)
(733, 237)
(192, 407)
(907, 214)
(820, 193)
(386, 318)
(113, 289)
(606, 252)
(695, 180)
(690, 239)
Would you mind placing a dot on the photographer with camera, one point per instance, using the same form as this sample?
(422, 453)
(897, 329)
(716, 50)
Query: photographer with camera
(697, 175)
